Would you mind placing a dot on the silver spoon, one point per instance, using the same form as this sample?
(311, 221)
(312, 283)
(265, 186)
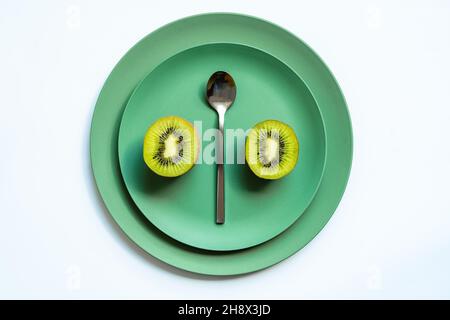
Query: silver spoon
(220, 93)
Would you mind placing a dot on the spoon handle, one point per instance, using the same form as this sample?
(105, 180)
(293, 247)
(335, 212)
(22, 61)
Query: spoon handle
(220, 198)
(220, 211)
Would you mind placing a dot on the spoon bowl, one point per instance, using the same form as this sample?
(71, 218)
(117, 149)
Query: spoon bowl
(220, 90)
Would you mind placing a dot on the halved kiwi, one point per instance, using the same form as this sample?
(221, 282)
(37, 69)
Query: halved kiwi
(271, 149)
(170, 146)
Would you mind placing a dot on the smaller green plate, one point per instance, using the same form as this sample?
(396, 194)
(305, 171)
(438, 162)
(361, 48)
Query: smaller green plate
(256, 209)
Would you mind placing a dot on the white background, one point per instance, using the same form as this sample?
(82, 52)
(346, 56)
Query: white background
(389, 238)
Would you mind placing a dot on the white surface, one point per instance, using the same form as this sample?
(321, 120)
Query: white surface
(390, 235)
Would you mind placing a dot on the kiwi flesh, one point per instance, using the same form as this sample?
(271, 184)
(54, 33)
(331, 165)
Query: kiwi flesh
(170, 146)
(271, 149)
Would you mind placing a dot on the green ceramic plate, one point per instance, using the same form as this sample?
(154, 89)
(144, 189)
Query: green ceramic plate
(192, 32)
(256, 209)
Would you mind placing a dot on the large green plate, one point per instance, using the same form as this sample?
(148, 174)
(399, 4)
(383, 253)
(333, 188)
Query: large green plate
(166, 42)
(256, 209)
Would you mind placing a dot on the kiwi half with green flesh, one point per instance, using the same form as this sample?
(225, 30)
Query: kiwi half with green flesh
(171, 146)
(271, 149)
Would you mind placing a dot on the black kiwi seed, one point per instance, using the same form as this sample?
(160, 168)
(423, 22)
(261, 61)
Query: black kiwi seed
(165, 134)
(282, 144)
(159, 155)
